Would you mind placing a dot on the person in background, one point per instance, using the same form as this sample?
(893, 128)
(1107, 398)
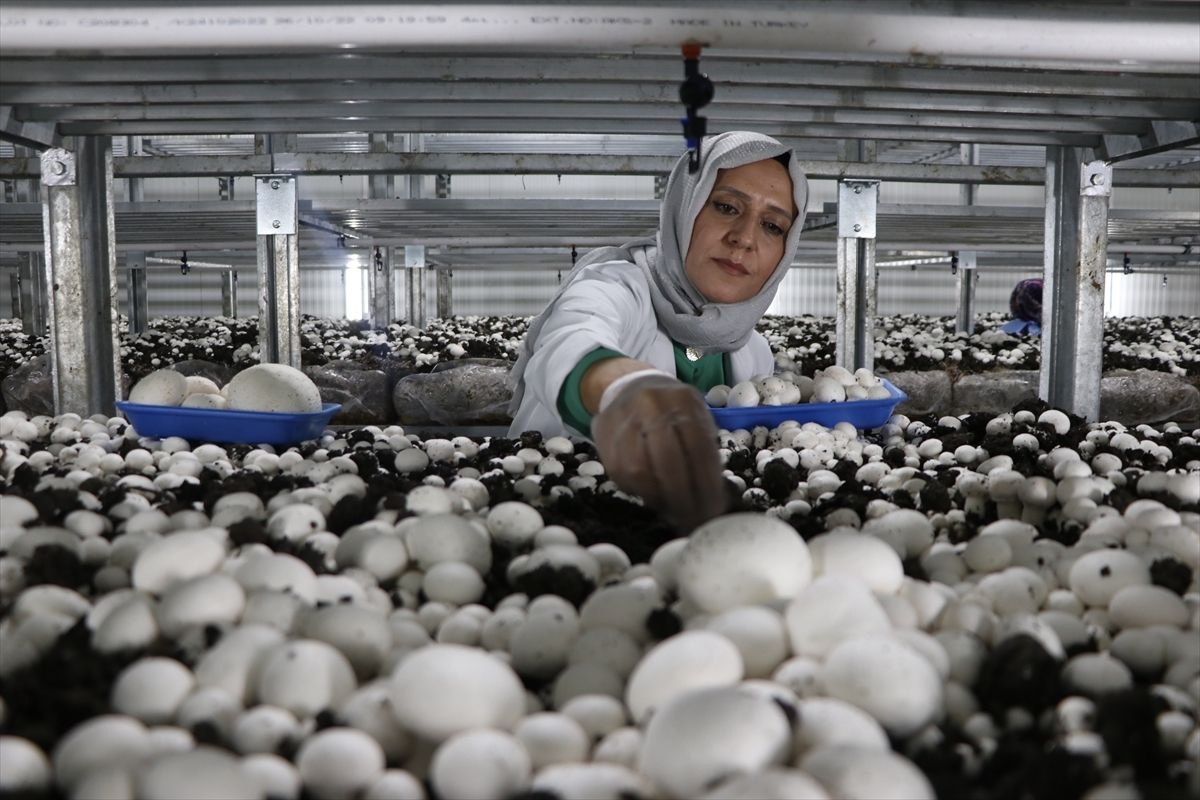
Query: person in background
(1025, 303)
(636, 334)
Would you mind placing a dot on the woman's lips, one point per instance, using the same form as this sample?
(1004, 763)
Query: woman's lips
(732, 267)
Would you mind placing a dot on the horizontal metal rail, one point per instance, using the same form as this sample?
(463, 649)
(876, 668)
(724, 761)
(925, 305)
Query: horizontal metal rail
(566, 164)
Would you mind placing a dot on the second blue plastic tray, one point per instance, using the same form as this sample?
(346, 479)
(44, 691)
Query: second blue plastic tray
(225, 425)
(859, 413)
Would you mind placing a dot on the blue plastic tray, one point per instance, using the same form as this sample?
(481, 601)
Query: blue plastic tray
(225, 425)
(859, 413)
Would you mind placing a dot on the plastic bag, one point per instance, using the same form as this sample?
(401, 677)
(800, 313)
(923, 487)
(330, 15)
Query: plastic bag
(465, 392)
(363, 393)
(28, 388)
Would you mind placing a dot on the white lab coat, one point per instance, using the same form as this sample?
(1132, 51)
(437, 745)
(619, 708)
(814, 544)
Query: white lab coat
(607, 307)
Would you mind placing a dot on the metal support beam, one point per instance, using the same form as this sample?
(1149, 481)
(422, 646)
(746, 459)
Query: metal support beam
(77, 218)
(36, 135)
(274, 142)
(382, 271)
(414, 255)
(278, 270)
(445, 293)
(14, 288)
(229, 293)
(1161, 136)
(967, 277)
(414, 284)
(30, 303)
(135, 285)
(383, 287)
(566, 164)
(1077, 197)
(863, 151)
(856, 279)
(381, 185)
(139, 316)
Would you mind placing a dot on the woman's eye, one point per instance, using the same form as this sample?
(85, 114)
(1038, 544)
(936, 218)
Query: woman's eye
(773, 229)
(724, 208)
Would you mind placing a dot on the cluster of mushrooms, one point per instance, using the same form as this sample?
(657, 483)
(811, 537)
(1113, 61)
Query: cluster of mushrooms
(902, 342)
(833, 384)
(964, 606)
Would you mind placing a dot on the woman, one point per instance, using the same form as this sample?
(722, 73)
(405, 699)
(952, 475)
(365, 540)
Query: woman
(636, 333)
(1025, 303)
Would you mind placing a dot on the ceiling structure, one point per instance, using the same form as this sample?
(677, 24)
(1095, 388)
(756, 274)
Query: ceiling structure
(558, 87)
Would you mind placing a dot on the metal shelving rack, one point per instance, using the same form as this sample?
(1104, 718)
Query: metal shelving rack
(1072, 96)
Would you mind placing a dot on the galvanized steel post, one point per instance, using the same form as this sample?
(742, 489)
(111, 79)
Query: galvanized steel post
(445, 292)
(80, 272)
(229, 293)
(135, 262)
(967, 278)
(856, 278)
(382, 270)
(414, 255)
(29, 300)
(382, 280)
(1077, 197)
(135, 286)
(278, 270)
(414, 278)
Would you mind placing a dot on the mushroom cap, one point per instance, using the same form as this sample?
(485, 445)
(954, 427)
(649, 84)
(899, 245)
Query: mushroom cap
(163, 387)
(273, 387)
(198, 384)
(443, 689)
(1037, 491)
(707, 734)
(742, 559)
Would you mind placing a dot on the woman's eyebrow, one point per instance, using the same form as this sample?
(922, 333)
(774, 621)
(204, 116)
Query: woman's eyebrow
(738, 193)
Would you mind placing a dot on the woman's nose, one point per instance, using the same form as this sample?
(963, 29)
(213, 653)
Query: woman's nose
(740, 233)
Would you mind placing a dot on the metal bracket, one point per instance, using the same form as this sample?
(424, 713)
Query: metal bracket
(1095, 179)
(857, 201)
(276, 204)
(58, 167)
(414, 256)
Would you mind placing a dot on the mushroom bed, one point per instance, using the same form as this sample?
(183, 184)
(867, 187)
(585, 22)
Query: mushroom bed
(961, 607)
(902, 341)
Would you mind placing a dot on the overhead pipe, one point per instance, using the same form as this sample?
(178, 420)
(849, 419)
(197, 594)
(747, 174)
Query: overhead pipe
(917, 31)
(154, 261)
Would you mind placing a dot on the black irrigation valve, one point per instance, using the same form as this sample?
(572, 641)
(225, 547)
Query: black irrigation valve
(574, 255)
(341, 241)
(695, 92)
(1164, 279)
(184, 269)
(1125, 265)
(378, 259)
(954, 264)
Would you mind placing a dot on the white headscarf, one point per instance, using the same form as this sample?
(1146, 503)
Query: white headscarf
(683, 312)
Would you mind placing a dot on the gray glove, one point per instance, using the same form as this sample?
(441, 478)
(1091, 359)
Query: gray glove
(657, 439)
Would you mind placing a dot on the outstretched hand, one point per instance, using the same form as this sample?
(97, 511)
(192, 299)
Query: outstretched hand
(657, 440)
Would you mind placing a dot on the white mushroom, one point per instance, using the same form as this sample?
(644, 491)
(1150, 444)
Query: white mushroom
(743, 395)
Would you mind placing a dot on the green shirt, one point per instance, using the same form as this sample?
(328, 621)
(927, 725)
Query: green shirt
(706, 372)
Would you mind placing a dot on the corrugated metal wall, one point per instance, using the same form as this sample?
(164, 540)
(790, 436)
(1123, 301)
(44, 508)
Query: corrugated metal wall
(509, 292)
(1146, 294)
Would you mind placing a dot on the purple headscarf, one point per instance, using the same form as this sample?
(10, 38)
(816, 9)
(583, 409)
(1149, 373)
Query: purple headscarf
(1026, 300)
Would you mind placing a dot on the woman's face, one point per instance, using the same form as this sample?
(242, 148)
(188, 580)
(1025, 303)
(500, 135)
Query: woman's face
(739, 235)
